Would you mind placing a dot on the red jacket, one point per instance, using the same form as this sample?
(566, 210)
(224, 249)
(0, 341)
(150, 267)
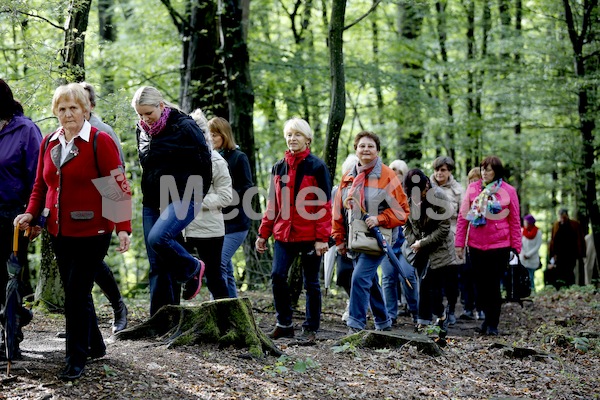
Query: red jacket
(299, 204)
(68, 191)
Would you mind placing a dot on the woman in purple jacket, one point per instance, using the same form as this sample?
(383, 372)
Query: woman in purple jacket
(489, 225)
(20, 142)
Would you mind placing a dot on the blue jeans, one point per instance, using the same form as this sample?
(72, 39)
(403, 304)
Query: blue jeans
(390, 280)
(365, 290)
(170, 262)
(284, 256)
(232, 242)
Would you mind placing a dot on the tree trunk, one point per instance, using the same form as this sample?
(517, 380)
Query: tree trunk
(410, 134)
(108, 34)
(240, 95)
(74, 46)
(589, 211)
(227, 322)
(49, 292)
(337, 110)
(442, 28)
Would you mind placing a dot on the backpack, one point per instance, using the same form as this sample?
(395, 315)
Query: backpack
(516, 280)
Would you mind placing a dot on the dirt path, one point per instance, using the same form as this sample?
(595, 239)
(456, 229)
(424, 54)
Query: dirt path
(472, 367)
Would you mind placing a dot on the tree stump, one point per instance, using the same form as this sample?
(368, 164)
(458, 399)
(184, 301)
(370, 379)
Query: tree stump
(227, 322)
(388, 339)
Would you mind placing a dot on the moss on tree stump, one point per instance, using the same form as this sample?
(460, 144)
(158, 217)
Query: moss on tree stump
(227, 322)
(390, 339)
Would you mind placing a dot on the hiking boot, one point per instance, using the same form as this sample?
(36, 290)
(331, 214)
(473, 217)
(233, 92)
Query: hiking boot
(483, 329)
(281, 332)
(192, 287)
(120, 317)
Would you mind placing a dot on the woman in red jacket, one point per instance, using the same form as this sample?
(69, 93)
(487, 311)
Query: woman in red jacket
(70, 159)
(299, 218)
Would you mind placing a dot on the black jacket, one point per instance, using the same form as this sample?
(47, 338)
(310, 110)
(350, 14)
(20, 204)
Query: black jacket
(179, 151)
(241, 176)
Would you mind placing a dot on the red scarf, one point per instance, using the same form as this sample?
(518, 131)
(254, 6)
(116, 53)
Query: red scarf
(530, 232)
(358, 184)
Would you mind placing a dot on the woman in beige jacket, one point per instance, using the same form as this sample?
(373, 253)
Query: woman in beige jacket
(205, 234)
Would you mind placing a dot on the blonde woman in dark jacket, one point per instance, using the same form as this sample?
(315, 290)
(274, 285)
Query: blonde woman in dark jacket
(428, 233)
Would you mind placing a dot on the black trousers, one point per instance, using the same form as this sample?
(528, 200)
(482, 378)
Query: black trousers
(209, 251)
(79, 260)
(489, 267)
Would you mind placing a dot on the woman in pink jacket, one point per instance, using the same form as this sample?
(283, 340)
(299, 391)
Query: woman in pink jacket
(488, 226)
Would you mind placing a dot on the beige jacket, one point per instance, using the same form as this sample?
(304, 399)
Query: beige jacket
(209, 222)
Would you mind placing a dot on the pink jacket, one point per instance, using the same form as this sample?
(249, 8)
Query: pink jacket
(501, 230)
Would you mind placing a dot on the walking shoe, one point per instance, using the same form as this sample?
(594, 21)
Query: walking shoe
(192, 287)
(308, 336)
(281, 332)
(451, 319)
(70, 373)
(467, 315)
(352, 331)
(480, 315)
(120, 317)
(442, 323)
(483, 329)
(492, 331)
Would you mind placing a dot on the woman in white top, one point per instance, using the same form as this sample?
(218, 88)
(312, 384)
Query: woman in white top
(206, 233)
(531, 240)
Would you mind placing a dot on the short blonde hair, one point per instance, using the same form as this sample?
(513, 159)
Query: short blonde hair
(200, 118)
(299, 125)
(72, 91)
(220, 126)
(474, 174)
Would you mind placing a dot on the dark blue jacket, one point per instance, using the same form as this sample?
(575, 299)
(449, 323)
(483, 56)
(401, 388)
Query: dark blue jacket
(19, 148)
(241, 176)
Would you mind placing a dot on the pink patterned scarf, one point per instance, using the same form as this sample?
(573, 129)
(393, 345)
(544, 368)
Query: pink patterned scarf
(158, 126)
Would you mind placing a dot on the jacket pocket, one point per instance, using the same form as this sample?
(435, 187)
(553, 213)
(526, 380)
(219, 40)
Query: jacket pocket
(82, 215)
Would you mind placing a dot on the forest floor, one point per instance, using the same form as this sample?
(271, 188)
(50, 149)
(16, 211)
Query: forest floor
(562, 327)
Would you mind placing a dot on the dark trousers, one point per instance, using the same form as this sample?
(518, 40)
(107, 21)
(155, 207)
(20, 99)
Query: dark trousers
(450, 286)
(106, 281)
(431, 300)
(209, 250)
(489, 267)
(79, 259)
(344, 270)
(284, 256)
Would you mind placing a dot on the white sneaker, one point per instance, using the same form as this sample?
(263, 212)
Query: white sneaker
(346, 313)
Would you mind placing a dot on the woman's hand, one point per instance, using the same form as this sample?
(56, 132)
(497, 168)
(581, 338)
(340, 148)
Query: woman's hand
(460, 252)
(416, 246)
(124, 242)
(23, 221)
(261, 245)
(341, 249)
(372, 222)
(321, 248)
